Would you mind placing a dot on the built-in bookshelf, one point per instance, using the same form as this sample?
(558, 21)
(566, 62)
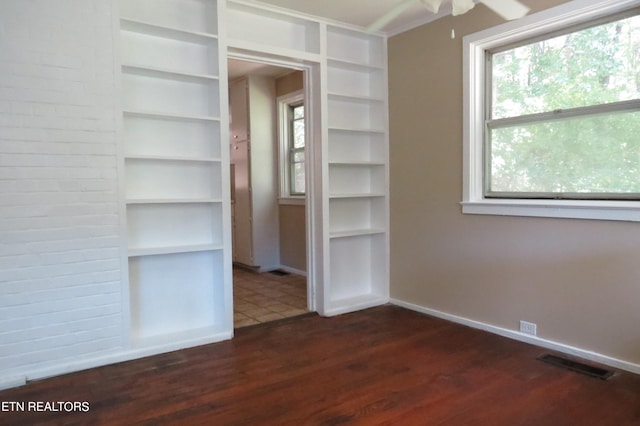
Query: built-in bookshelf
(351, 89)
(176, 159)
(175, 179)
(357, 167)
(279, 33)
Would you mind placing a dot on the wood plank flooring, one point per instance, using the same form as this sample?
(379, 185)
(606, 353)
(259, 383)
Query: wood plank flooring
(382, 366)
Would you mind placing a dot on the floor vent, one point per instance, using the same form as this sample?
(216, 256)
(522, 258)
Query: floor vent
(279, 272)
(576, 366)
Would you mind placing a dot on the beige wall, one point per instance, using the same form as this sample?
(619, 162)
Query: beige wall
(293, 249)
(579, 280)
(289, 83)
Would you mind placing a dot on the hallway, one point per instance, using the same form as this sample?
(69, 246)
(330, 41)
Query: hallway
(264, 297)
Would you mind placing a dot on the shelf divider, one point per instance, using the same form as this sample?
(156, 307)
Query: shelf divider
(167, 73)
(157, 30)
(154, 251)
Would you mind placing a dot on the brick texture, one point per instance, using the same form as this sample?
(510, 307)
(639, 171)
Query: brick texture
(60, 290)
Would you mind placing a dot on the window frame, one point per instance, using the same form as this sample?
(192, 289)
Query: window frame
(476, 48)
(291, 149)
(285, 142)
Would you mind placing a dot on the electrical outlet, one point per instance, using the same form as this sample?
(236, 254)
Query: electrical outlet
(528, 327)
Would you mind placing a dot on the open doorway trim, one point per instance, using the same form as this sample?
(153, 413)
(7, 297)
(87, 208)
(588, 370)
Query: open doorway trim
(313, 169)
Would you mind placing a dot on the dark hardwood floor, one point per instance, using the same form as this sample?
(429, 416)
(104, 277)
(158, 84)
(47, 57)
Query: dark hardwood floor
(386, 365)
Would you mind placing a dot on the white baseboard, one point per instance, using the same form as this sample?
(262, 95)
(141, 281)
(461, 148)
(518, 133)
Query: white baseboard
(293, 270)
(269, 268)
(263, 269)
(109, 358)
(12, 382)
(526, 338)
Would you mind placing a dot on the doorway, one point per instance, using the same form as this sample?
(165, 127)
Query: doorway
(267, 153)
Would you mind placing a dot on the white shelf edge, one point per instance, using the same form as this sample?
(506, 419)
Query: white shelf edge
(168, 116)
(357, 163)
(172, 158)
(356, 233)
(153, 251)
(265, 48)
(352, 65)
(351, 304)
(164, 31)
(182, 339)
(348, 162)
(129, 68)
(132, 201)
(355, 98)
(356, 130)
(354, 33)
(273, 11)
(362, 195)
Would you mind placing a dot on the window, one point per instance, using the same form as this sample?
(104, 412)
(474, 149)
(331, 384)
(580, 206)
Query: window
(554, 115)
(292, 145)
(296, 149)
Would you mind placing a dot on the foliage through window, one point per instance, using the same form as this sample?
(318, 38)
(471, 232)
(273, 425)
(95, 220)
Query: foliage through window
(296, 149)
(562, 116)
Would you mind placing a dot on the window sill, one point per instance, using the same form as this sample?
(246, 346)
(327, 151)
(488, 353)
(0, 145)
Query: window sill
(567, 209)
(292, 201)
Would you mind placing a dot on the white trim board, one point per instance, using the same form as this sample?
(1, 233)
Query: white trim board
(526, 338)
(475, 50)
(110, 358)
(293, 270)
(12, 382)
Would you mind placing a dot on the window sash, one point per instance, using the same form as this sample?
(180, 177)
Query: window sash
(475, 48)
(608, 110)
(292, 149)
(562, 114)
(491, 124)
(292, 171)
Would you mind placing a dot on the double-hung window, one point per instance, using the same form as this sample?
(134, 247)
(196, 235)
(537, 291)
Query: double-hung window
(292, 145)
(553, 118)
(296, 149)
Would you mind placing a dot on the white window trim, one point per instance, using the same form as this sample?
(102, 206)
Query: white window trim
(298, 200)
(474, 50)
(283, 103)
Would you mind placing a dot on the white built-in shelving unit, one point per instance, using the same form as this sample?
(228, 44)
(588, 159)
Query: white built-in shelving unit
(352, 210)
(175, 155)
(253, 28)
(348, 198)
(357, 167)
(176, 171)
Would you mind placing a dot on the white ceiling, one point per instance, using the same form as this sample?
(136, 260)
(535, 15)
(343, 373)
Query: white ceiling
(240, 68)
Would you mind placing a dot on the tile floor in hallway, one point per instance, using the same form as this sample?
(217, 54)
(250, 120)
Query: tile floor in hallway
(263, 297)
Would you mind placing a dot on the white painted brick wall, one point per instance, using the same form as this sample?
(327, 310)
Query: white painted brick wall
(60, 291)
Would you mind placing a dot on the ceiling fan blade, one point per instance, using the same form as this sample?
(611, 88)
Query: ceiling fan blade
(392, 14)
(508, 9)
(432, 6)
(459, 7)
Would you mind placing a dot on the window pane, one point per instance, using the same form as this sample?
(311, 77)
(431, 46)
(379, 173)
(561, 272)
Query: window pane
(596, 154)
(297, 182)
(589, 67)
(298, 112)
(297, 172)
(298, 134)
